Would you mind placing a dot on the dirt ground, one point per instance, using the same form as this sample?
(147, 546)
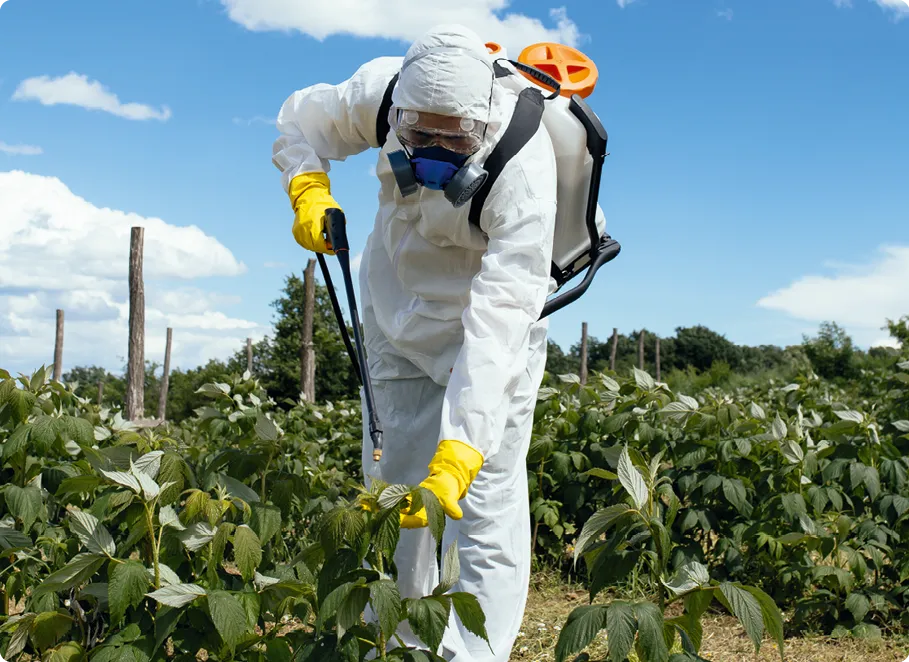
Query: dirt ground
(550, 603)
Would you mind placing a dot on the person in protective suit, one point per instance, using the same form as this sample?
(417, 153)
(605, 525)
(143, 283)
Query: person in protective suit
(455, 346)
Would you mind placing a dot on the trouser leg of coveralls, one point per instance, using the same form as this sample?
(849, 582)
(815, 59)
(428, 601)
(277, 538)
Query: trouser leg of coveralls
(493, 537)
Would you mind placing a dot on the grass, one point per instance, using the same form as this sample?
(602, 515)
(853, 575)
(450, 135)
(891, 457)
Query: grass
(550, 601)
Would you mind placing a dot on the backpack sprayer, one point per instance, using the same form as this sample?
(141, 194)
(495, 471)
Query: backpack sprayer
(581, 243)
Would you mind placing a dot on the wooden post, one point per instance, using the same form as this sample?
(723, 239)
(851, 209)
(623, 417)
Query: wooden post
(135, 371)
(58, 348)
(612, 350)
(583, 352)
(307, 353)
(100, 391)
(249, 355)
(165, 377)
(641, 350)
(658, 358)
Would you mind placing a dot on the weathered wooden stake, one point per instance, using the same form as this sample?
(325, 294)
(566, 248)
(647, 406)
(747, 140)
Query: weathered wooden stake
(165, 377)
(249, 355)
(135, 371)
(584, 352)
(612, 350)
(58, 348)
(658, 358)
(641, 350)
(307, 353)
(100, 391)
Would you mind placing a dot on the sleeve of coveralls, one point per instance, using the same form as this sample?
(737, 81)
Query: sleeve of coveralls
(323, 122)
(506, 299)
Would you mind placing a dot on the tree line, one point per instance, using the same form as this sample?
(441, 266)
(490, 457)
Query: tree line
(694, 357)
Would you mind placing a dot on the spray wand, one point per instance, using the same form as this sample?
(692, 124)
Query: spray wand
(336, 234)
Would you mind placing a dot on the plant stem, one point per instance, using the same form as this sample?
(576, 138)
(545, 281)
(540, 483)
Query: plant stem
(265, 473)
(536, 526)
(155, 545)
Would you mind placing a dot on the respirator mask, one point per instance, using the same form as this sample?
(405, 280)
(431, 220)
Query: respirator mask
(436, 152)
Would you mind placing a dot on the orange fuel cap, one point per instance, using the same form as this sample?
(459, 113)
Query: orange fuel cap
(576, 72)
(493, 47)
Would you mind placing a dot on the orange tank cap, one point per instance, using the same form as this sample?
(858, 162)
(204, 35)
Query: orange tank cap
(576, 73)
(493, 47)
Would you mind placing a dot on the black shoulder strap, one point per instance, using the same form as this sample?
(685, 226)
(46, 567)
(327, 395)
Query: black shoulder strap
(382, 127)
(528, 113)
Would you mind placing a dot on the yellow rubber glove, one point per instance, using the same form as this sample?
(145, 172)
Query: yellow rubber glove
(310, 196)
(452, 469)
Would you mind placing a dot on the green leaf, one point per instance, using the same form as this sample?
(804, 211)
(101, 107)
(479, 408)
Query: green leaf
(902, 426)
(689, 577)
(165, 622)
(25, 503)
(469, 611)
(265, 521)
(632, 480)
(20, 404)
(866, 631)
(48, 627)
(621, 626)
(167, 517)
(149, 463)
(644, 380)
(247, 551)
(20, 626)
(747, 609)
(91, 533)
(734, 491)
(124, 479)
(127, 587)
(351, 609)
(434, 513)
(859, 605)
(228, 616)
(12, 539)
(17, 442)
(80, 569)
(333, 601)
(68, 652)
(756, 411)
(451, 570)
(80, 430)
(386, 602)
(252, 606)
(428, 618)
(196, 536)
(650, 632)
(692, 633)
(238, 489)
(773, 618)
(697, 602)
(850, 415)
(177, 595)
(791, 451)
(599, 523)
(582, 626)
(43, 435)
(601, 473)
(778, 428)
(266, 429)
(794, 505)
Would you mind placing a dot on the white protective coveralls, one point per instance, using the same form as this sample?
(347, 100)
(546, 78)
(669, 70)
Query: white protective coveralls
(455, 346)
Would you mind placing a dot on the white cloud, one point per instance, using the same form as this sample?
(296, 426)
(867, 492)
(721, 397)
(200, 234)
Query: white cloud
(77, 90)
(257, 119)
(20, 150)
(58, 250)
(624, 3)
(860, 298)
(725, 13)
(900, 8)
(402, 19)
(355, 262)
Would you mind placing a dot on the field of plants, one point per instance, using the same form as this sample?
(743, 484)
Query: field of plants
(245, 531)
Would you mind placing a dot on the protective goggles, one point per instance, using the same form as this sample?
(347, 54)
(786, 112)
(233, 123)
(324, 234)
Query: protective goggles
(460, 135)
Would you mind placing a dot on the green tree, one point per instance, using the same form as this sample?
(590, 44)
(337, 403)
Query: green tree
(899, 330)
(277, 359)
(831, 352)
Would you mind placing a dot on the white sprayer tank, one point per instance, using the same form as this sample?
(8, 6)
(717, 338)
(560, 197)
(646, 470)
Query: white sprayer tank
(574, 166)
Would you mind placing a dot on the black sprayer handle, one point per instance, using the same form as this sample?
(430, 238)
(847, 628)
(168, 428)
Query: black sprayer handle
(336, 228)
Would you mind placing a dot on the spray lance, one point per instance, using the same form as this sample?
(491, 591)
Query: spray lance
(336, 233)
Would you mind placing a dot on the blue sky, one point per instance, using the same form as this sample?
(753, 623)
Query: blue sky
(756, 178)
